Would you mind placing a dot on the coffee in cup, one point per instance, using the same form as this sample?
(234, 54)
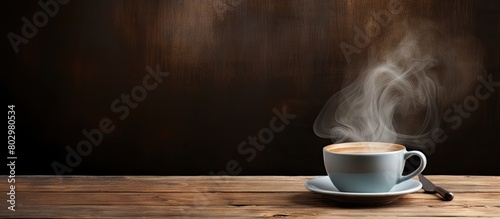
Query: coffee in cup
(368, 167)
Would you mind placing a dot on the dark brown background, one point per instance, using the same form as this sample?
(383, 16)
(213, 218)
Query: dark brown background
(228, 72)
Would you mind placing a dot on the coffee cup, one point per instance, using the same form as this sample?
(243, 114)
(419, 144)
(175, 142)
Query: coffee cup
(368, 167)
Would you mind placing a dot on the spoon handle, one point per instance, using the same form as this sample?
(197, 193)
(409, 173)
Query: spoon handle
(448, 196)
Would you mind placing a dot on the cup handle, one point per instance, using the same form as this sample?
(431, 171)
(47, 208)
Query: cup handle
(423, 163)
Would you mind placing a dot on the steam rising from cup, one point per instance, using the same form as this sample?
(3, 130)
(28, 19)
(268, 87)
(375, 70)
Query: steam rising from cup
(399, 95)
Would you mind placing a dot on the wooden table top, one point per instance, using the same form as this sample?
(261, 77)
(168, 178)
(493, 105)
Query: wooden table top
(231, 196)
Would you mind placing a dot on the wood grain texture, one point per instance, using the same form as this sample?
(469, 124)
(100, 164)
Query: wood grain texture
(229, 70)
(232, 196)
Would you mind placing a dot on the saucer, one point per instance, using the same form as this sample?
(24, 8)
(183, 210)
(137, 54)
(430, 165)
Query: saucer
(323, 185)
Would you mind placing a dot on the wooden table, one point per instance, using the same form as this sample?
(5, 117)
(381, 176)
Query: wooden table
(231, 196)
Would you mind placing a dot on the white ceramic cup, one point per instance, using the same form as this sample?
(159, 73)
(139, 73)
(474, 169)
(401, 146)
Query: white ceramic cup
(368, 167)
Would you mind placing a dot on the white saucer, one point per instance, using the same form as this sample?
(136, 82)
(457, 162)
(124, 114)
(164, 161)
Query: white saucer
(323, 185)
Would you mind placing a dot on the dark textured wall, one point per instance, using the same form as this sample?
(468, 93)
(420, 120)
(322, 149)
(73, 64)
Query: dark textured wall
(233, 66)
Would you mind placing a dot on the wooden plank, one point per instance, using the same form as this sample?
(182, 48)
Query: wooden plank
(214, 183)
(231, 196)
(93, 211)
(161, 184)
(233, 199)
